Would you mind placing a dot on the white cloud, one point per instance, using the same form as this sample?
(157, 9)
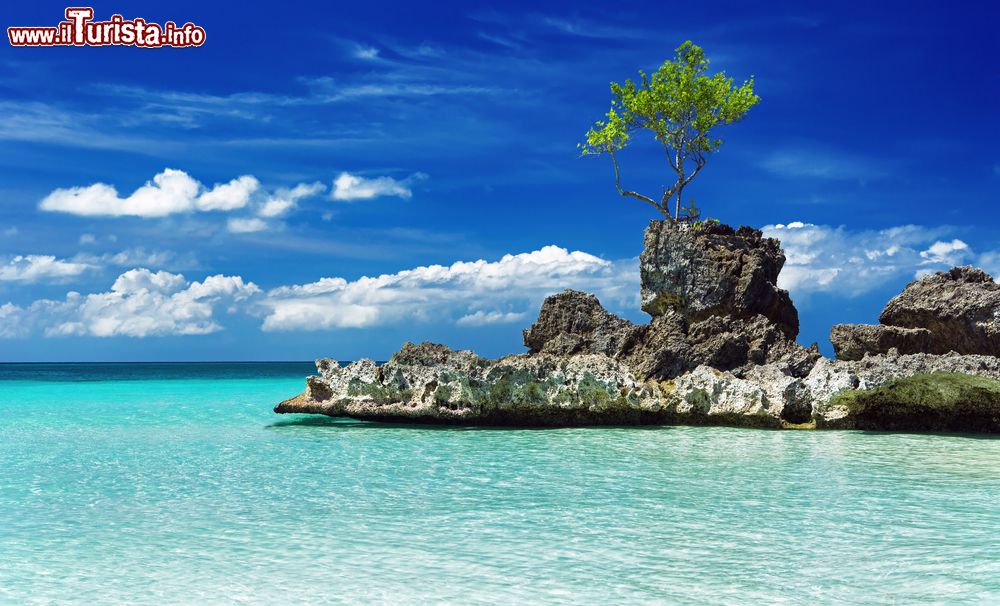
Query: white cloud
(348, 187)
(229, 196)
(10, 231)
(171, 192)
(34, 268)
(946, 253)
(246, 225)
(275, 207)
(470, 293)
(12, 321)
(284, 200)
(87, 239)
(821, 258)
(141, 303)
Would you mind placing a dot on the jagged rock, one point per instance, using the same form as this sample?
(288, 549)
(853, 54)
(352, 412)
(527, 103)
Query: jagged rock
(830, 377)
(713, 270)
(853, 341)
(434, 384)
(719, 349)
(574, 322)
(729, 343)
(736, 401)
(953, 311)
(660, 349)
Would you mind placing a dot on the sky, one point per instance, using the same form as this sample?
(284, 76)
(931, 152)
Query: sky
(330, 179)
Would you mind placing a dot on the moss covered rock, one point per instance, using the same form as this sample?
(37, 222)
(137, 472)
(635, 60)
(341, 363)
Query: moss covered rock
(937, 401)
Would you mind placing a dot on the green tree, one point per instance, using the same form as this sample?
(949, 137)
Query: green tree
(680, 105)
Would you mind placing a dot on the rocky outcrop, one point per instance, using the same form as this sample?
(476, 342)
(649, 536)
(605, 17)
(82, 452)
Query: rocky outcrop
(431, 383)
(939, 401)
(717, 315)
(953, 311)
(719, 349)
(810, 400)
(574, 322)
(711, 270)
(713, 295)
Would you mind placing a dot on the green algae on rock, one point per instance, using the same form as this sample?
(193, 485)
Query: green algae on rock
(939, 401)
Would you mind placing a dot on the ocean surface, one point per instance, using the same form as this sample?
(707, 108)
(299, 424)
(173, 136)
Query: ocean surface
(176, 484)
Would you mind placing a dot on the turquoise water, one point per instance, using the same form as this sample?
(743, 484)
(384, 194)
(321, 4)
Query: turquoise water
(175, 484)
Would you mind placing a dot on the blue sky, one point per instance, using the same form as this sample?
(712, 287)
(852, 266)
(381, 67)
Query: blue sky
(395, 172)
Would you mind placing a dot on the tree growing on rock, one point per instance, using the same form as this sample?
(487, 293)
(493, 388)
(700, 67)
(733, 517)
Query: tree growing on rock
(680, 105)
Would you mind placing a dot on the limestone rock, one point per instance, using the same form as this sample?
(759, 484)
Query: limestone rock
(574, 322)
(719, 349)
(727, 399)
(434, 384)
(953, 311)
(853, 341)
(713, 270)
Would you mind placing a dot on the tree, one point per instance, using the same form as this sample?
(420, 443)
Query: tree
(680, 105)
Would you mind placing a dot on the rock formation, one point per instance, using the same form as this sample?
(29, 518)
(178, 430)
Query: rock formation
(712, 292)
(712, 270)
(432, 383)
(719, 349)
(574, 322)
(953, 311)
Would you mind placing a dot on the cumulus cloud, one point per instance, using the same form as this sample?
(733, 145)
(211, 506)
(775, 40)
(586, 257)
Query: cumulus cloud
(822, 258)
(141, 303)
(12, 322)
(171, 192)
(277, 205)
(946, 253)
(468, 293)
(35, 268)
(228, 196)
(348, 187)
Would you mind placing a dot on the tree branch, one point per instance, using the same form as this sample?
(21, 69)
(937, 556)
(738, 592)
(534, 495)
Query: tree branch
(631, 194)
(700, 162)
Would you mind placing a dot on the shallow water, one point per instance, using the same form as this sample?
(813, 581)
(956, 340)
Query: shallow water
(176, 484)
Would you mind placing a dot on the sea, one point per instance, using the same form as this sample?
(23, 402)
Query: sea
(177, 484)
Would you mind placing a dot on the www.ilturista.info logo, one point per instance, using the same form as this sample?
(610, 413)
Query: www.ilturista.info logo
(80, 29)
